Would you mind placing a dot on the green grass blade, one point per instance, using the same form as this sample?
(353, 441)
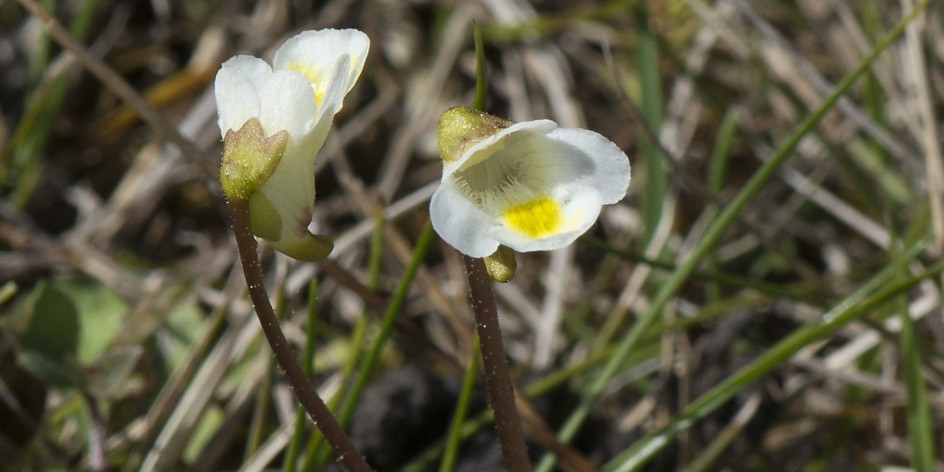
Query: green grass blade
(918, 411)
(657, 179)
(481, 78)
(717, 169)
(454, 437)
(23, 163)
(852, 308)
(317, 451)
(386, 326)
(714, 232)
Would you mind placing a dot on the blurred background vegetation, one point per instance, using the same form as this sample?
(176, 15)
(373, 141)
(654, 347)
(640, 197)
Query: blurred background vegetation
(767, 297)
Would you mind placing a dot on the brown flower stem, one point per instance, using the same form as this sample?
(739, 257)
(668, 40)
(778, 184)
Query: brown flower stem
(348, 455)
(501, 391)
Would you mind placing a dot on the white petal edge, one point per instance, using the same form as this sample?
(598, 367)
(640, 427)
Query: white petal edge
(610, 173)
(330, 104)
(460, 223)
(237, 99)
(255, 69)
(337, 88)
(322, 50)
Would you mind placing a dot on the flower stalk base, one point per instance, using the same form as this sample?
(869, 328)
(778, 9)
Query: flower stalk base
(501, 390)
(347, 454)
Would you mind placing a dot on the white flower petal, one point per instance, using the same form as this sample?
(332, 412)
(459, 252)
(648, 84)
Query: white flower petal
(255, 69)
(237, 98)
(608, 172)
(318, 55)
(339, 86)
(461, 223)
(287, 104)
(330, 104)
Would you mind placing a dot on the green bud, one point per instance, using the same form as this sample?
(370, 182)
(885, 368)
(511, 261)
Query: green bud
(249, 158)
(461, 127)
(501, 265)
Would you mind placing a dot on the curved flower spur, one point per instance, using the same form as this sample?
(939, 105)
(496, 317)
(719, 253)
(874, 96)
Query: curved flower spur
(274, 120)
(530, 186)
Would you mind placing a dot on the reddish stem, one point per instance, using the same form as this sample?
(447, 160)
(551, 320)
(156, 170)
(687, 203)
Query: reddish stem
(501, 391)
(348, 455)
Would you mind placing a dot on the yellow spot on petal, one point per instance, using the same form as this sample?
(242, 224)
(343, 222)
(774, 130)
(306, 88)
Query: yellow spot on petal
(312, 75)
(534, 218)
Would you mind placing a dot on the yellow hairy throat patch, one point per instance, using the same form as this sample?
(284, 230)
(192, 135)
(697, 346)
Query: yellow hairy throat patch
(534, 218)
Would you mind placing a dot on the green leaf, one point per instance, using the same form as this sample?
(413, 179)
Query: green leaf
(110, 375)
(56, 372)
(182, 330)
(100, 312)
(49, 325)
(62, 326)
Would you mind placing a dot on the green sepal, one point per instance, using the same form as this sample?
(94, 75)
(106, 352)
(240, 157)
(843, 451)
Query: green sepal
(501, 265)
(461, 127)
(264, 218)
(249, 158)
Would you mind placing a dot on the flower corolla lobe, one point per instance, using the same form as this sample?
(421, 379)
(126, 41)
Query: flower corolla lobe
(298, 96)
(530, 186)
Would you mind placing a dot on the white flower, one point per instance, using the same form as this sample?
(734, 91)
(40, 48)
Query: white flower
(530, 186)
(299, 94)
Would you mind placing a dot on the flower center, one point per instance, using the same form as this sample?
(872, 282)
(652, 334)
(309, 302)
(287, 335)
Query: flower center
(512, 180)
(534, 218)
(490, 180)
(509, 171)
(312, 75)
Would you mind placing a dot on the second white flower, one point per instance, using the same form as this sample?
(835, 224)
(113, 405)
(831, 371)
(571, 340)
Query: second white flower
(530, 186)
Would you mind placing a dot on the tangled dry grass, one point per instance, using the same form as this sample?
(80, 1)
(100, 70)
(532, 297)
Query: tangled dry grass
(104, 215)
